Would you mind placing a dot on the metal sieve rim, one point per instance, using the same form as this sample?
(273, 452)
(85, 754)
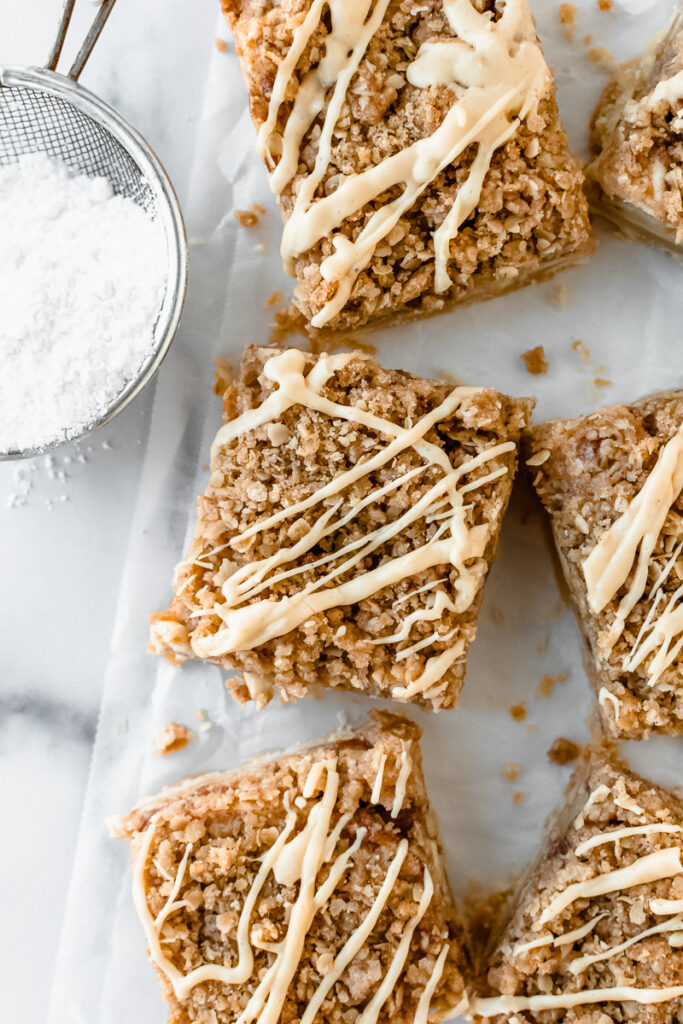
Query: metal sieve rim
(168, 214)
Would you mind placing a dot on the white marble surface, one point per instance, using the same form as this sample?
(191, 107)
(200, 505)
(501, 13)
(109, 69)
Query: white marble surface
(62, 544)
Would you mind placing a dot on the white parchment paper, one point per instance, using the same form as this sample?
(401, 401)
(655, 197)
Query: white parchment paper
(625, 305)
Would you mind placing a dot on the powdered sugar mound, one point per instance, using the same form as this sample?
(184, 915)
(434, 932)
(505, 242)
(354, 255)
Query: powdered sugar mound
(82, 275)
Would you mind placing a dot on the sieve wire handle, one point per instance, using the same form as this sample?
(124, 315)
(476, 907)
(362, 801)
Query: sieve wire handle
(103, 12)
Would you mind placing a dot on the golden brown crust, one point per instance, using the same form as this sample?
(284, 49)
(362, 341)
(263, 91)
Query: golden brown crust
(596, 465)
(264, 471)
(532, 213)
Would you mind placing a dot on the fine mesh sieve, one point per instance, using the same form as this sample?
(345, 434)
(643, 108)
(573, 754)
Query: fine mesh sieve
(44, 111)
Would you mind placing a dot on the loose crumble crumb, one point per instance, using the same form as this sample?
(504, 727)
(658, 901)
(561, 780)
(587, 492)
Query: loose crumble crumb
(246, 218)
(560, 296)
(545, 687)
(274, 298)
(567, 14)
(258, 209)
(563, 751)
(221, 45)
(601, 56)
(518, 712)
(547, 684)
(602, 382)
(511, 771)
(172, 738)
(517, 798)
(535, 361)
(583, 352)
(605, 5)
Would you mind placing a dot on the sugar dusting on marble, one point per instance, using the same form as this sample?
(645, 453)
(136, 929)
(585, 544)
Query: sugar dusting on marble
(82, 275)
(29, 479)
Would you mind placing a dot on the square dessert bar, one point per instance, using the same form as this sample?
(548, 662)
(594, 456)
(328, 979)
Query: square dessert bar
(611, 482)
(303, 886)
(595, 933)
(351, 516)
(637, 142)
(415, 149)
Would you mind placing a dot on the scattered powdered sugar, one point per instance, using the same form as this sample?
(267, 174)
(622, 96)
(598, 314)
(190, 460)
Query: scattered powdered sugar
(82, 274)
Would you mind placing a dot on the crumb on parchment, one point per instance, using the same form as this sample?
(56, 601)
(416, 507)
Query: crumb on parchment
(560, 296)
(601, 56)
(172, 738)
(246, 218)
(535, 360)
(511, 771)
(518, 712)
(583, 352)
(567, 14)
(221, 45)
(547, 684)
(562, 751)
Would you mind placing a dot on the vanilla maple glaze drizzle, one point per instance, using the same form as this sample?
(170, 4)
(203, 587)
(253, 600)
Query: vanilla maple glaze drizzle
(661, 864)
(293, 858)
(498, 75)
(248, 625)
(632, 539)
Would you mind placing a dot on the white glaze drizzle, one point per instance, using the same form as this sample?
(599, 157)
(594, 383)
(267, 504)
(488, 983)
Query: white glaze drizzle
(669, 90)
(490, 1006)
(565, 939)
(388, 983)
(579, 965)
(247, 625)
(632, 539)
(661, 864)
(498, 74)
(292, 858)
(422, 1011)
(617, 834)
(578, 933)
(358, 938)
(605, 697)
(596, 796)
(525, 947)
